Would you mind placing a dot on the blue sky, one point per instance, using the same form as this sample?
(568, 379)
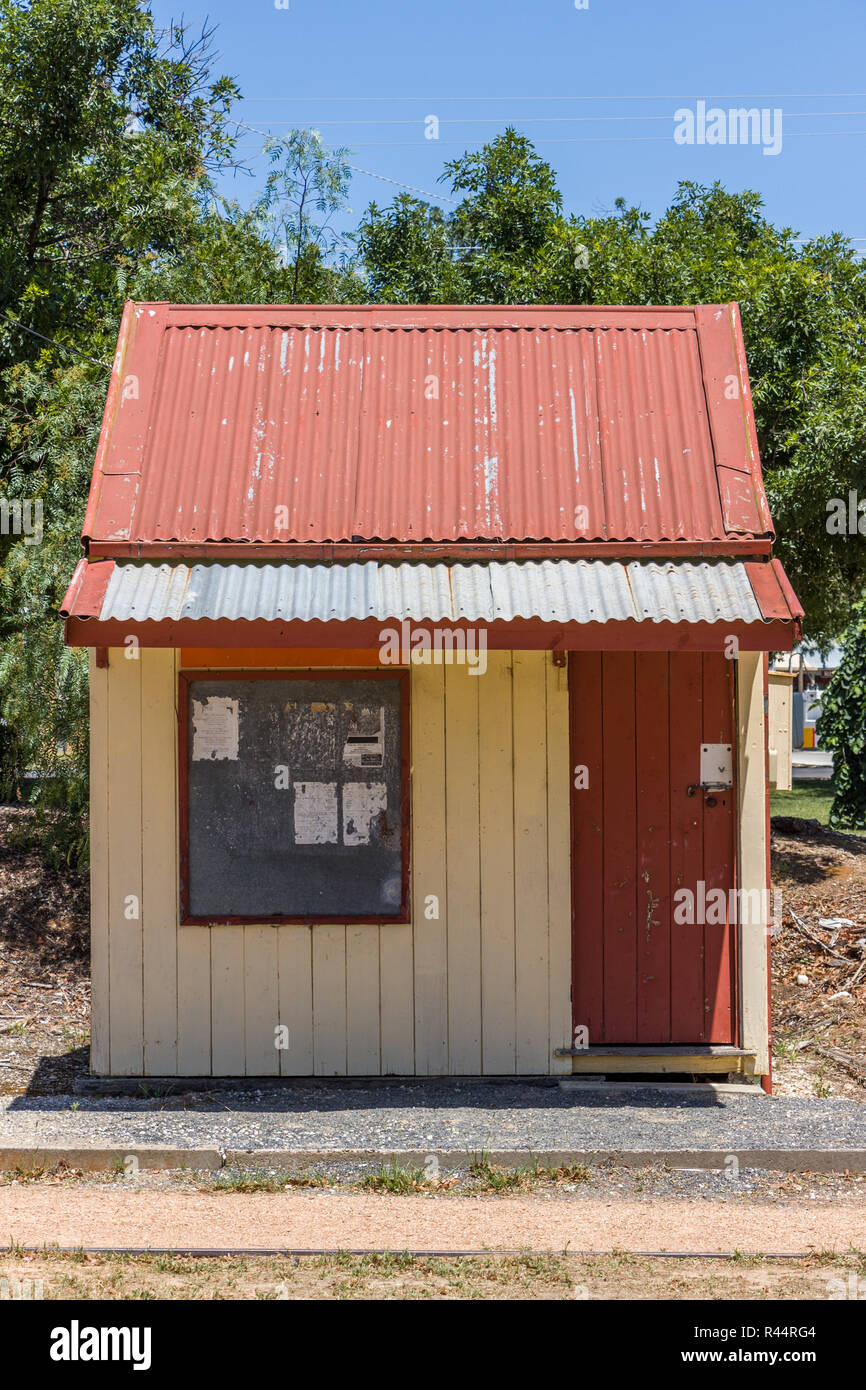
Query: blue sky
(595, 88)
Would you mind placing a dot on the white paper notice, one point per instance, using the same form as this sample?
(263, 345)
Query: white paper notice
(215, 726)
(315, 813)
(362, 803)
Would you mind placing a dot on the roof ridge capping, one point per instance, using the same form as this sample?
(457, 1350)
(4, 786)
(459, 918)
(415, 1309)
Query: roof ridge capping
(425, 316)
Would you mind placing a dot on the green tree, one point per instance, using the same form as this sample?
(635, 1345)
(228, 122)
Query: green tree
(306, 186)
(504, 243)
(44, 683)
(406, 254)
(107, 133)
(841, 727)
(110, 134)
(506, 230)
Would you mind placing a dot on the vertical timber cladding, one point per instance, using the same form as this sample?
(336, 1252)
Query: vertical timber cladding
(293, 797)
(638, 721)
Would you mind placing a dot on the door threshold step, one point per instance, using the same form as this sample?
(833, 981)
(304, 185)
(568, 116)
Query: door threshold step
(685, 1058)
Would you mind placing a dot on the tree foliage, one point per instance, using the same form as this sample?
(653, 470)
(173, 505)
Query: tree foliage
(306, 186)
(107, 131)
(841, 727)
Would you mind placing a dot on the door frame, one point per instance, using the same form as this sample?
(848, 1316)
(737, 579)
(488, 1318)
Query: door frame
(734, 945)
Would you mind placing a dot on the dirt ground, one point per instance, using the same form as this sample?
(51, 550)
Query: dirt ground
(325, 1220)
(540, 1234)
(44, 969)
(405, 1277)
(819, 1027)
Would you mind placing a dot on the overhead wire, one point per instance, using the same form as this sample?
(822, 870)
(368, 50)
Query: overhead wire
(64, 347)
(269, 135)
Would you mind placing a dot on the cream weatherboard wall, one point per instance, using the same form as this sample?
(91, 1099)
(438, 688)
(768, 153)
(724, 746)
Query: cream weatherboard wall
(780, 701)
(482, 989)
(753, 854)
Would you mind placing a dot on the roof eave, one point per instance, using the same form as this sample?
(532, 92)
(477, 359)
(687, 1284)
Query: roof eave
(515, 635)
(742, 548)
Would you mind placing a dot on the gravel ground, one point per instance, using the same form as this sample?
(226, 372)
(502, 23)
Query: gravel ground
(438, 1116)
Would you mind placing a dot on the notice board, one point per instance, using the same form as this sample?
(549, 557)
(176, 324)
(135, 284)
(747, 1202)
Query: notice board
(293, 797)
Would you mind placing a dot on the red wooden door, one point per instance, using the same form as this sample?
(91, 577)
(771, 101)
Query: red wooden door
(637, 724)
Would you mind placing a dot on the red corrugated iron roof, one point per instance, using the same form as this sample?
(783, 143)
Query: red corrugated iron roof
(319, 425)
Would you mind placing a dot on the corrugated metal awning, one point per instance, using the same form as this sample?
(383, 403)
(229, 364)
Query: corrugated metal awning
(550, 592)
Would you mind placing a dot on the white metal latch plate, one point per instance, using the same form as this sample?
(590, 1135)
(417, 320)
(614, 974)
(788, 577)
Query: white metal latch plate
(716, 765)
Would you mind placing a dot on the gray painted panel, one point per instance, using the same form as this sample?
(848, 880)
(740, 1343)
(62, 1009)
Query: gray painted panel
(295, 798)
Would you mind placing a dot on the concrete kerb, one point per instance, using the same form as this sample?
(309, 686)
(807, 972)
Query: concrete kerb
(169, 1157)
(93, 1158)
(154, 1087)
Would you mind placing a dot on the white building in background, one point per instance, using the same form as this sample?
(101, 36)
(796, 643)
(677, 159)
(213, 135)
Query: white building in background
(804, 673)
